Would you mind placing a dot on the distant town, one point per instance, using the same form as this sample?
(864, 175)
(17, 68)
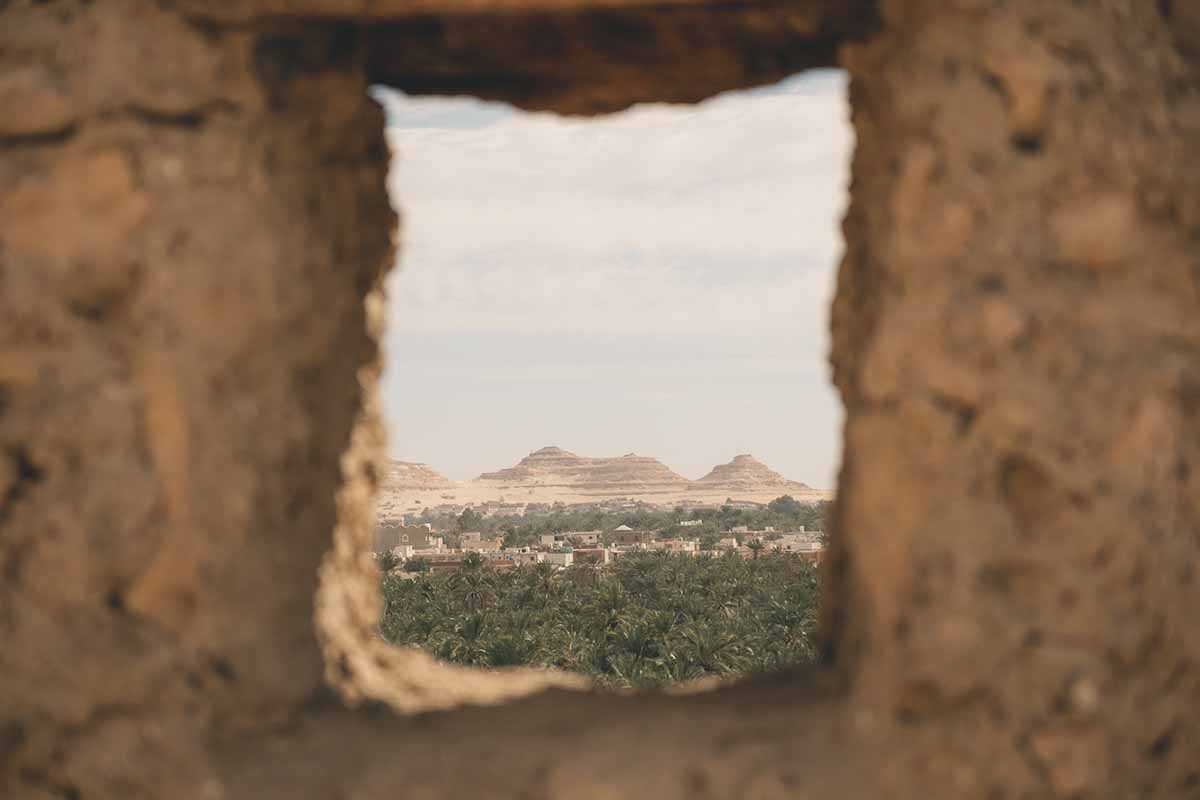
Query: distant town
(627, 593)
(507, 535)
(616, 568)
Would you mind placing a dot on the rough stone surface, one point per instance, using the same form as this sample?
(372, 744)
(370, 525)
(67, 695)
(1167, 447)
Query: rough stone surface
(1016, 338)
(188, 225)
(605, 59)
(193, 230)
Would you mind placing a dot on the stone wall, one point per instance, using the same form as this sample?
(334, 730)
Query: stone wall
(193, 231)
(190, 218)
(1017, 341)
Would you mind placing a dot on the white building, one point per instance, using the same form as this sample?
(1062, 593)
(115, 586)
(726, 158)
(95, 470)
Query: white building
(563, 558)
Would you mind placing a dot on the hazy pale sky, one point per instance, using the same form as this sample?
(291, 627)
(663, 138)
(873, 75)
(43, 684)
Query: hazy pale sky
(656, 281)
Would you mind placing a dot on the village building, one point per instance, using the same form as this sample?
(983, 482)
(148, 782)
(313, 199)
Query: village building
(626, 536)
(559, 558)
(389, 537)
(585, 538)
(810, 537)
(808, 546)
(570, 539)
(525, 556)
(689, 547)
(481, 545)
(456, 563)
(598, 556)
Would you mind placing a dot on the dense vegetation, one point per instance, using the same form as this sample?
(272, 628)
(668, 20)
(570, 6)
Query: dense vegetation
(647, 619)
(783, 513)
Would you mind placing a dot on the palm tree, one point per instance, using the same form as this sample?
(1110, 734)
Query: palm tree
(649, 619)
(468, 647)
(756, 547)
(508, 650)
(473, 585)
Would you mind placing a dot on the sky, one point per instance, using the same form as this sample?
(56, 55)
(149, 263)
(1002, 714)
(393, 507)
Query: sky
(655, 281)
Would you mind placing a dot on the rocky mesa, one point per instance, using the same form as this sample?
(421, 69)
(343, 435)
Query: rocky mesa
(553, 475)
(555, 467)
(745, 472)
(409, 475)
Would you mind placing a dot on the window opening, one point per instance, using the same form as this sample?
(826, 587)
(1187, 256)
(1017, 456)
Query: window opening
(606, 349)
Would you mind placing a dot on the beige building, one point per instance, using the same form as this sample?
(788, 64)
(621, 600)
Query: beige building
(592, 555)
(525, 556)
(625, 535)
(476, 542)
(570, 539)
(560, 559)
(688, 547)
(418, 537)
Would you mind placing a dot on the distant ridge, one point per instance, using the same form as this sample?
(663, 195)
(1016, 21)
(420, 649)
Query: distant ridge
(553, 466)
(413, 475)
(747, 472)
(554, 475)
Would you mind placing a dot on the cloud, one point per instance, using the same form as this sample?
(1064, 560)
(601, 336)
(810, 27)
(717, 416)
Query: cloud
(571, 219)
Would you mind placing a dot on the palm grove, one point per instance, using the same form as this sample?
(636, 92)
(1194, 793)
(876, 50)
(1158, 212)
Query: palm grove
(648, 619)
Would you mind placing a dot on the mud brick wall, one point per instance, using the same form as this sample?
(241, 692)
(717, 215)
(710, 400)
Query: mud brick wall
(193, 234)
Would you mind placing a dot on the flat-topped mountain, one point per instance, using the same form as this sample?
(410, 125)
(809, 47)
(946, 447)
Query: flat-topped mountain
(553, 466)
(413, 475)
(553, 475)
(747, 472)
